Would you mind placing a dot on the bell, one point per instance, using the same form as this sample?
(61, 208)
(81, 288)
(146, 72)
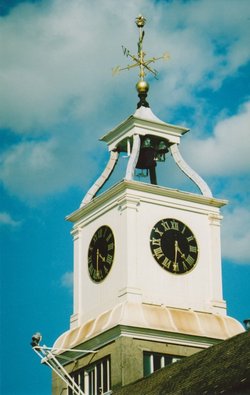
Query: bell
(146, 158)
(162, 149)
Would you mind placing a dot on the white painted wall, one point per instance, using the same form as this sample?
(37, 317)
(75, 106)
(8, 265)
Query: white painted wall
(135, 275)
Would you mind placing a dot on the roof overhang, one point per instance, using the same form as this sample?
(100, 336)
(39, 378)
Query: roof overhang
(143, 122)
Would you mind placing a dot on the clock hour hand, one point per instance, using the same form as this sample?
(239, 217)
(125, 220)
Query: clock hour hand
(176, 250)
(102, 258)
(179, 250)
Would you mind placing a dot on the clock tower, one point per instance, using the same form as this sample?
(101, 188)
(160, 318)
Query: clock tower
(147, 258)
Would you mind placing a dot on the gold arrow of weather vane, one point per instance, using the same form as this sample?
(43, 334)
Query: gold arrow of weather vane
(140, 58)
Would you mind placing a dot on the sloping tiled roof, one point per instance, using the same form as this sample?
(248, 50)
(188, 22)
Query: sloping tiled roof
(220, 369)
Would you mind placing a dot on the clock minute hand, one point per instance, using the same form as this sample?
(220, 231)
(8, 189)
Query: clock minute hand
(99, 256)
(97, 260)
(175, 264)
(175, 251)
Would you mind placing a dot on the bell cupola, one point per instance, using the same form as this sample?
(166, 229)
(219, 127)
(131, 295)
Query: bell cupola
(143, 138)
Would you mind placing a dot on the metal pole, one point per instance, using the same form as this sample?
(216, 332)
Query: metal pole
(50, 360)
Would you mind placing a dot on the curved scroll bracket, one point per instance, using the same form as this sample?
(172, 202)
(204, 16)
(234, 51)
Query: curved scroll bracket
(133, 159)
(102, 179)
(201, 184)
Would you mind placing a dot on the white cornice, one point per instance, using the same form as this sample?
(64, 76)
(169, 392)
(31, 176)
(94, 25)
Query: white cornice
(146, 192)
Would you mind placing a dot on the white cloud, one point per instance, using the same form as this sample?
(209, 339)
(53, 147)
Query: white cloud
(226, 152)
(57, 57)
(55, 70)
(207, 40)
(67, 280)
(54, 60)
(236, 235)
(34, 169)
(6, 219)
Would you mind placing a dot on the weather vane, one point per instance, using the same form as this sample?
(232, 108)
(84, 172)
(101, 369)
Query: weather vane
(139, 61)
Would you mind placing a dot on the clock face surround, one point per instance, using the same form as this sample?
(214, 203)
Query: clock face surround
(173, 246)
(101, 253)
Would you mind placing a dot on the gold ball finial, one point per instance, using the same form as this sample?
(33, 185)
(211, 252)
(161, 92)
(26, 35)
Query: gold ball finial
(140, 21)
(142, 87)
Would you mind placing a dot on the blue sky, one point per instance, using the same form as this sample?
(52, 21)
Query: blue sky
(58, 97)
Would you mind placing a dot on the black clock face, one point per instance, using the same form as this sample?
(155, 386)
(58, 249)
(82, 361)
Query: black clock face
(101, 253)
(174, 246)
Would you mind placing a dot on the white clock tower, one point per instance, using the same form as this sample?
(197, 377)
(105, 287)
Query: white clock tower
(147, 259)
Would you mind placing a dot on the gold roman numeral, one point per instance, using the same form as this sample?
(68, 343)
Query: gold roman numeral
(157, 230)
(158, 253)
(109, 259)
(166, 263)
(110, 246)
(156, 242)
(190, 260)
(108, 237)
(165, 225)
(176, 267)
(99, 233)
(174, 225)
(185, 267)
(193, 249)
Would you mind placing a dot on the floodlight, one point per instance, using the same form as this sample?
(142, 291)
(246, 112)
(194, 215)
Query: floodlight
(36, 338)
(247, 324)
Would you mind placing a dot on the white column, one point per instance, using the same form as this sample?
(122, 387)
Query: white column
(129, 207)
(76, 279)
(133, 157)
(217, 303)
